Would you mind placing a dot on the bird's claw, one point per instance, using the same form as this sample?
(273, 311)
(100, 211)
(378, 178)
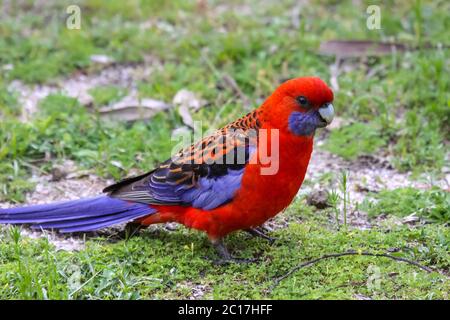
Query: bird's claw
(226, 257)
(258, 232)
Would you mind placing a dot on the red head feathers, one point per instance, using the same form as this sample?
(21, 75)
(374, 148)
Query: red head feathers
(299, 106)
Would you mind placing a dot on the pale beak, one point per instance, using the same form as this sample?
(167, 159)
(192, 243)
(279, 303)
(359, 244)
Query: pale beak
(327, 112)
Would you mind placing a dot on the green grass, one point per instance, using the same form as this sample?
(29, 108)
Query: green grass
(64, 129)
(107, 94)
(432, 205)
(398, 106)
(355, 140)
(162, 264)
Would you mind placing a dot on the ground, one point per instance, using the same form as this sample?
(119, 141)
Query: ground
(378, 181)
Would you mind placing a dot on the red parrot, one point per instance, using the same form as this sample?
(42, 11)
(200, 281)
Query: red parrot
(198, 188)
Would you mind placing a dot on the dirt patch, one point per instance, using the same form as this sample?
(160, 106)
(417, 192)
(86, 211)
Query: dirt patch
(76, 184)
(78, 85)
(369, 173)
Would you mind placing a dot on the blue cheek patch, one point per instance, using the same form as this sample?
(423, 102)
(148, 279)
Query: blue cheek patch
(303, 124)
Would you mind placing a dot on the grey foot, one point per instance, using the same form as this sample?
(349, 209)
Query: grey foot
(226, 257)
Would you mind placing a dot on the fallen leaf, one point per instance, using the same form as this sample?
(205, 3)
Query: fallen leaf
(117, 164)
(78, 174)
(359, 48)
(187, 100)
(411, 218)
(186, 116)
(131, 108)
(101, 59)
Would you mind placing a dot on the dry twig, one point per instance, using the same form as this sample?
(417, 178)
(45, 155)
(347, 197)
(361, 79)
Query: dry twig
(348, 253)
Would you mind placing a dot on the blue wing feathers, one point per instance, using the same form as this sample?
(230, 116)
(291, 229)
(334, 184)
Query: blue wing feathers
(213, 192)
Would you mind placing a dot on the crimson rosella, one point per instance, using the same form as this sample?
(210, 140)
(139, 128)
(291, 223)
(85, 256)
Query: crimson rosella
(200, 187)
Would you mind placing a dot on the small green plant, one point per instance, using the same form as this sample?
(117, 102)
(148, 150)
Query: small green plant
(336, 198)
(345, 195)
(32, 282)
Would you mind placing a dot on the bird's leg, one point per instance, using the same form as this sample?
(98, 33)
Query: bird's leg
(222, 250)
(258, 232)
(225, 256)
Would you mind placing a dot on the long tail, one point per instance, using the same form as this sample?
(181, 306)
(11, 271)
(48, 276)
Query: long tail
(78, 215)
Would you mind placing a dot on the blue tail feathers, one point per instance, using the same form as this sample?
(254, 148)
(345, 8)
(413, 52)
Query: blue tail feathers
(78, 215)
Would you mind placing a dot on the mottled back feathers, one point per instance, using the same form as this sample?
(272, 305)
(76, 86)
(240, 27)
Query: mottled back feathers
(204, 175)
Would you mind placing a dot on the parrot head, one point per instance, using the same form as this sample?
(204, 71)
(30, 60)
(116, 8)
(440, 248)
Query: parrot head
(300, 106)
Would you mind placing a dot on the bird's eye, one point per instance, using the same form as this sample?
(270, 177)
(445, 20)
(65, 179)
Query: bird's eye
(303, 101)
